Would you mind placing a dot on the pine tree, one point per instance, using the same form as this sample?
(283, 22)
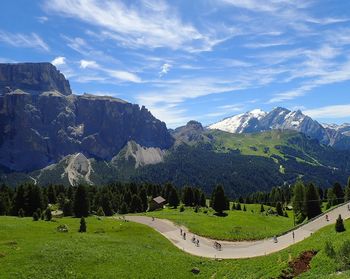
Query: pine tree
(244, 208)
(339, 225)
(262, 209)
(219, 200)
(187, 196)
(203, 200)
(82, 227)
(67, 208)
(144, 199)
(347, 191)
(173, 198)
(238, 206)
(136, 204)
(48, 215)
(81, 202)
(106, 203)
(123, 208)
(312, 201)
(51, 194)
(339, 193)
(331, 197)
(298, 201)
(279, 209)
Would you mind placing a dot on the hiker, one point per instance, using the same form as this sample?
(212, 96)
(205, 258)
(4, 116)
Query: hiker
(184, 236)
(293, 235)
(349, 207)
(275, 239)
(152, 218)
(197, 242)
(193, 239)
(180, 231)
(327, 218)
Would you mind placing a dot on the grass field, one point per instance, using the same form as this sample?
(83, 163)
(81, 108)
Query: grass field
(114, 249)
(237, 225)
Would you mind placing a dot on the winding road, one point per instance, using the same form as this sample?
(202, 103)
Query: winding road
(241, 249)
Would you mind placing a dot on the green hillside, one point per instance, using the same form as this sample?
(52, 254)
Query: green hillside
(115, 249)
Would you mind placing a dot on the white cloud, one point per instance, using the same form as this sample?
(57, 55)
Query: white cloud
(32, 40)
(118, 74)
(42, 19)
(58, 61)
(164, 69)
(147, 25)
(124, 75)
(88, 64)
(336, 111)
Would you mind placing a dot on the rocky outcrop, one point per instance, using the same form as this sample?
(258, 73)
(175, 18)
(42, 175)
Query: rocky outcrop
(33, 78)
(40, 128)
(191, 133)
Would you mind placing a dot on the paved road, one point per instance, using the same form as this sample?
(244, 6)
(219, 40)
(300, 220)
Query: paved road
(237, 250)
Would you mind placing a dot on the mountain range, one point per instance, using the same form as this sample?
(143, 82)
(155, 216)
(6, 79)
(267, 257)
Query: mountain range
(49, 135)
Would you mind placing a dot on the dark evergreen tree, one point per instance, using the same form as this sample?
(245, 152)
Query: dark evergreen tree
(203, 202)
(262, 209)
(123, 208)
(144, 198)
(238, 206)
(331, 197)
(298, 201)
(136, 204)
(339, 225)
(82, 227)
(51, 194)
(106, 203)
(347, 191)
(312, 201)
(279, 209)
(173, 198)
(219, 200)
(339, 193)
(67, 208)
(187, 196)
(81, 205)
(244, 208)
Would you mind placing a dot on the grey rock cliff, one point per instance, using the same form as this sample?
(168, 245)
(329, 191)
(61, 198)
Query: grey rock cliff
(39, 128)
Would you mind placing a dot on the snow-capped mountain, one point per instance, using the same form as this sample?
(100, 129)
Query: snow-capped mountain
(242, 123)
(284, 119)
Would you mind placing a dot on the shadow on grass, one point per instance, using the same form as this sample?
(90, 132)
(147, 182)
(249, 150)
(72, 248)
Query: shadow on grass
(220, 214)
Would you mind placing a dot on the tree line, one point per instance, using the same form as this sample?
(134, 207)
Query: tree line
(29, 199)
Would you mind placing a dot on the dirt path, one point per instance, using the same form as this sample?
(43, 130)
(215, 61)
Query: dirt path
(237, 250)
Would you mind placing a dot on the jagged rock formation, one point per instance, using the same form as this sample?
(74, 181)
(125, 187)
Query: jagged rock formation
(32, 78)
(191, 133)
(40, 127)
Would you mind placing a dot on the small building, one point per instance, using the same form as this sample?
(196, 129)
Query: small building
(157, 203)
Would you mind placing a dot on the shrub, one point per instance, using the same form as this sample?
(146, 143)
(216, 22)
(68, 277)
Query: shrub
(329, 250)
(339, 225)
(62, 228)
(196, 209)
(35, 216)
(244, 208)
(343, 257)
(48, 215)
(21, 213)
(262, 209)
(82, 227)
(100, 212)
(182, 208)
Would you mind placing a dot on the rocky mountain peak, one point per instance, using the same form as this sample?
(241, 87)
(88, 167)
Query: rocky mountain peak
(33, 78)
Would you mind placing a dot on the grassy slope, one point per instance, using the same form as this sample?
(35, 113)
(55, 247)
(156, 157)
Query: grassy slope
(238, 225)
(35, 250)
(258, 144)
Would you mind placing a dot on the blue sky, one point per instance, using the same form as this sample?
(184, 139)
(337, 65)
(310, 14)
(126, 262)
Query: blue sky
(200, 59)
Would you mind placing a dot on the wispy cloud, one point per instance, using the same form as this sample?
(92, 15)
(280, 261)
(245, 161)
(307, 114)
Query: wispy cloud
(145, 25)
(32, 40)
(336, 111)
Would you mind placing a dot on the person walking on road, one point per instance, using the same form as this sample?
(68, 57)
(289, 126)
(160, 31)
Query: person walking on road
(293, 236)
